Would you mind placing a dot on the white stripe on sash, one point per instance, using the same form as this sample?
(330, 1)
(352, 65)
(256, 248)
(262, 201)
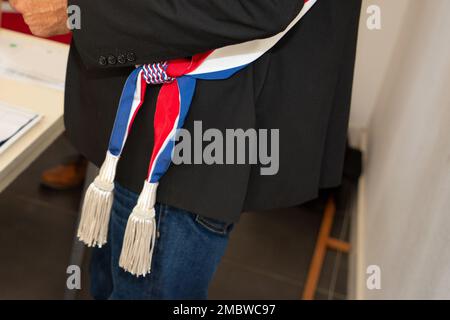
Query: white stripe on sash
(242, 54)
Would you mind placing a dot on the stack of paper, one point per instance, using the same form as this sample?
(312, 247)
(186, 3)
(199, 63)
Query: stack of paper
(14, 122)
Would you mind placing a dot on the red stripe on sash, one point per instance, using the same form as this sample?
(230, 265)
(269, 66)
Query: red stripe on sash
(166, 114)
(180, 67)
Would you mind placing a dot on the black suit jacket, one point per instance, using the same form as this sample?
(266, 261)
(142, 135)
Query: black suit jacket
(301, 87)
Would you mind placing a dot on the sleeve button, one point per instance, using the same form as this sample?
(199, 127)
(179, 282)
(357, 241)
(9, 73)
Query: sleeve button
(122, 59)
(112, 60)
(131, 57)
(102, 61)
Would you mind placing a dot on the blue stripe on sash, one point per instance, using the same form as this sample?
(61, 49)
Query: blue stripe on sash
(219, 75)
(123, 113)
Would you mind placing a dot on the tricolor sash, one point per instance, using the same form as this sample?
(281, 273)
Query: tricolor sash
(178, 79)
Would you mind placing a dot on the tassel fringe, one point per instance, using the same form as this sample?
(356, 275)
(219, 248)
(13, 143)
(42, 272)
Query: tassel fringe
(139, 239)
(96, 210)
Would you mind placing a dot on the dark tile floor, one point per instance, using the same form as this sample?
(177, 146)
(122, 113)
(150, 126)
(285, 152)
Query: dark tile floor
(268, 256)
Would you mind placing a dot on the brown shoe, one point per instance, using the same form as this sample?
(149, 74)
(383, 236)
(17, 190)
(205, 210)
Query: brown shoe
(65, 176)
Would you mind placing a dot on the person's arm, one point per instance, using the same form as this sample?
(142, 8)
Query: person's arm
(44, 17)
(156, 30)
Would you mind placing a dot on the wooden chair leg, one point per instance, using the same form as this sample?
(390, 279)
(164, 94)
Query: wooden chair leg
(324, 242)
(338, 245)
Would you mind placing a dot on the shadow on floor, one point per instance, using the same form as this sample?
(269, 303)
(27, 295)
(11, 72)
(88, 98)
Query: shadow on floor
(268, 256)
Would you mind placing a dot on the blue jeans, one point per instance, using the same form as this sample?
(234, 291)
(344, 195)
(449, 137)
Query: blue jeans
(188, 250)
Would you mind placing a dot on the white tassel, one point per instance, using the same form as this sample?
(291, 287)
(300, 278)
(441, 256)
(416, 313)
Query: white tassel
(139, 239)
(96, 211)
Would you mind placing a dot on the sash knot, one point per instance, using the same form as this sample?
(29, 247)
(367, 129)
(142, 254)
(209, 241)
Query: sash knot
(156, 73)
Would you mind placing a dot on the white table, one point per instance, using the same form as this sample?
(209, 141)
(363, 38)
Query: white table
(46, 101)
(49, 103)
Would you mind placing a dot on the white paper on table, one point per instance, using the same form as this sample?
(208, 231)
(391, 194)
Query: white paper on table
(32, 61)
(14, 122)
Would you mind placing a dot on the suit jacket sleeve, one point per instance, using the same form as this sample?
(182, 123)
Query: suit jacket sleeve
(157, 30)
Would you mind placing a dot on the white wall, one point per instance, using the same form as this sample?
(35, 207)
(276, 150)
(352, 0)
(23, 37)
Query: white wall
(406, 215)
(375, 49)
